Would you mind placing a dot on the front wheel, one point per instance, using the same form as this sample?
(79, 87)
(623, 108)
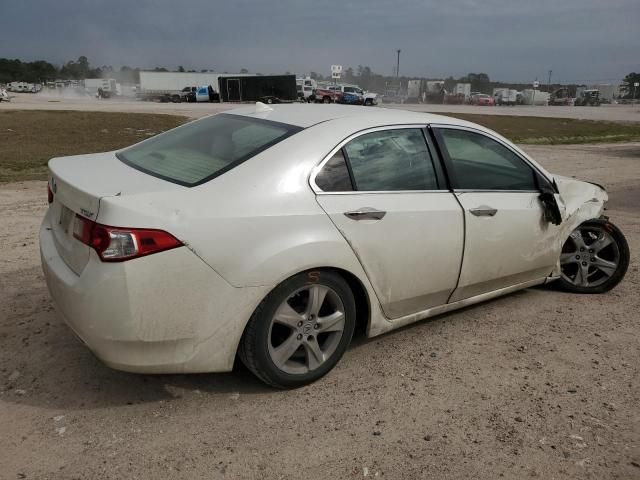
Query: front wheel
(300, 330)
(594, 258)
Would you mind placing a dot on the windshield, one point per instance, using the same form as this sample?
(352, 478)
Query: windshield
(202, 150)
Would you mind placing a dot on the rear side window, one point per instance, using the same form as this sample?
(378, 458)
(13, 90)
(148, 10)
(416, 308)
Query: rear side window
(391, 160)
(334, 176)
(202, 150)
(480, 163)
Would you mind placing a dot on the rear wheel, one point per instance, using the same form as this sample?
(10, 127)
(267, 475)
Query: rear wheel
(300, 330)
(594, 258)
(326, 100)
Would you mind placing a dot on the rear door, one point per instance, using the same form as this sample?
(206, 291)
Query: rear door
(387, 197)
(508, 241)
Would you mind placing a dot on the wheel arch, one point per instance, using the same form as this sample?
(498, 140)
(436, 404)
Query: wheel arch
(361, 297)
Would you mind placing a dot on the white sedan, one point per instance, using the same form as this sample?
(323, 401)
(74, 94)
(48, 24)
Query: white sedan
(273, 233)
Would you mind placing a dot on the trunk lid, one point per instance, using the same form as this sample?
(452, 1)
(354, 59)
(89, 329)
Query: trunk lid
(78, 183)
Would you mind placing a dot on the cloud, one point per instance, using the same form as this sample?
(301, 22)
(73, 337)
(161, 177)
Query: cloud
(518, 40)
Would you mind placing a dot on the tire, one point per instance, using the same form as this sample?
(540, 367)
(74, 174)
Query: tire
(326, 100)
(594, 258)
(280, 323)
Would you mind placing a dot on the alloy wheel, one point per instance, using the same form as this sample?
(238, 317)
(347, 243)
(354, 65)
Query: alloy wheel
(306, 329)
(589, 257)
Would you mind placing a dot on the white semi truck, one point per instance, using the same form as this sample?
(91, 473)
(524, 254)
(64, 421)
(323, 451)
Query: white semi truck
(175, 86)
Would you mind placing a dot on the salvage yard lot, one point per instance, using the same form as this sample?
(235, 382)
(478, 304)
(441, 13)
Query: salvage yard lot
(28, 139)
(539, 384)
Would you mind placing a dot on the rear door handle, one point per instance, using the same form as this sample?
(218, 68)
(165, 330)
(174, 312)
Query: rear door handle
(483, 211)
(365, 213)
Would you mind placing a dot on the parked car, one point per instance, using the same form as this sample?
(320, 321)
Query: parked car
(273, 232)
(483, 99)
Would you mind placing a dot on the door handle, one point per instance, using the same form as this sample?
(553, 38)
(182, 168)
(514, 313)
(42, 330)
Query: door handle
(365, 213)
(483, 211)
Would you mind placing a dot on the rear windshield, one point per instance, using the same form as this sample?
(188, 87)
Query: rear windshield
(202, 150)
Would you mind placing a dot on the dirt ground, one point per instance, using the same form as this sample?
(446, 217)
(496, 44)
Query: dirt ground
(536, 384)
(46, 101)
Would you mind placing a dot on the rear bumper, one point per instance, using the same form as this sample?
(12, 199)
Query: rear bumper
(165, 313)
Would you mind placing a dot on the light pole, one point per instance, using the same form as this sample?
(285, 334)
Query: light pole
(398, 64)
(549, 82)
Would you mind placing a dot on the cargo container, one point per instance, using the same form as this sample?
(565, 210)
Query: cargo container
(236, 88)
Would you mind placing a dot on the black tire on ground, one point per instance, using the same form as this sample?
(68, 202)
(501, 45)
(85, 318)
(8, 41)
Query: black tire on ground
(326, 100)
(367, 102)
(620, 251)
(254, 345)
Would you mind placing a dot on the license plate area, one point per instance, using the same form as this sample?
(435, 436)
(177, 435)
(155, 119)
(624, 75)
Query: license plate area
(66, 215)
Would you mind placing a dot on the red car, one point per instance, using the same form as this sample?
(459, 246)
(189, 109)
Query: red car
(483, 99)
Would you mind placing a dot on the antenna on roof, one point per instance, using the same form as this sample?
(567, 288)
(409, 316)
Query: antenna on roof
(262, 107)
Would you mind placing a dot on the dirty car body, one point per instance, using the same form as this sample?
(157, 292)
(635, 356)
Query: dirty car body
(158, 256)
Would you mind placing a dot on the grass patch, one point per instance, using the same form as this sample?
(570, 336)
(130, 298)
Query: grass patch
(28, 139)
(554, 131)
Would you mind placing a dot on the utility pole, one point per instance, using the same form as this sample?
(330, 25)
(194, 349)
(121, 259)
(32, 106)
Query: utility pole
(549, 82)
(398, 64)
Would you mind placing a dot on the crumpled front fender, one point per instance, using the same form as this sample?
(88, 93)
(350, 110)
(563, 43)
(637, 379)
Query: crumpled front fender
(579, 202)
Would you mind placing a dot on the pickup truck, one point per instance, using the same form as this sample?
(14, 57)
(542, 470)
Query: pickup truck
(352, 95)
(327, 95)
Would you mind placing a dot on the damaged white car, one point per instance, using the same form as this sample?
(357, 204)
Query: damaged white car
(273, 233)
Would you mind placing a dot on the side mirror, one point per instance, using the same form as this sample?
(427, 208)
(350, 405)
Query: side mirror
(549, 204)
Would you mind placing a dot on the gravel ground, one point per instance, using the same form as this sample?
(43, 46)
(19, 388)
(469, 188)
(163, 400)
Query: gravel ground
(536, 384)
(25, 101)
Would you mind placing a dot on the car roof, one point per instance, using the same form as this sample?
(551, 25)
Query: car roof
(308, 114)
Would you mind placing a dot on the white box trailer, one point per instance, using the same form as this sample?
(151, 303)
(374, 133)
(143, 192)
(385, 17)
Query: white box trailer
(463, 89)
(505, 96)
(170, 86)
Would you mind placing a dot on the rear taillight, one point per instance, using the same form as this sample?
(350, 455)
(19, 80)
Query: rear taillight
(116, 244)
(49, 193)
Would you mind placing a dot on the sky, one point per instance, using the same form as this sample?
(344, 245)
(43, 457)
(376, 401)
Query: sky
(581, 41)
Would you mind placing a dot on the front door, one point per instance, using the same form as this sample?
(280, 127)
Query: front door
(382, 193)
(508, 241)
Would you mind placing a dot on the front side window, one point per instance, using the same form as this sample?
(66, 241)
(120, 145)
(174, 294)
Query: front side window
(197, 152)
(480, 163)
(391, 160)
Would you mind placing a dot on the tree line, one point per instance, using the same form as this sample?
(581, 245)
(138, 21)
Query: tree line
(41, 71)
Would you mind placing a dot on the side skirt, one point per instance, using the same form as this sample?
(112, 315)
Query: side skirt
(431, 312)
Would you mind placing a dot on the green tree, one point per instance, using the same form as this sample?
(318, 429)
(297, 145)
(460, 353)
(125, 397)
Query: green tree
(626, 87)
